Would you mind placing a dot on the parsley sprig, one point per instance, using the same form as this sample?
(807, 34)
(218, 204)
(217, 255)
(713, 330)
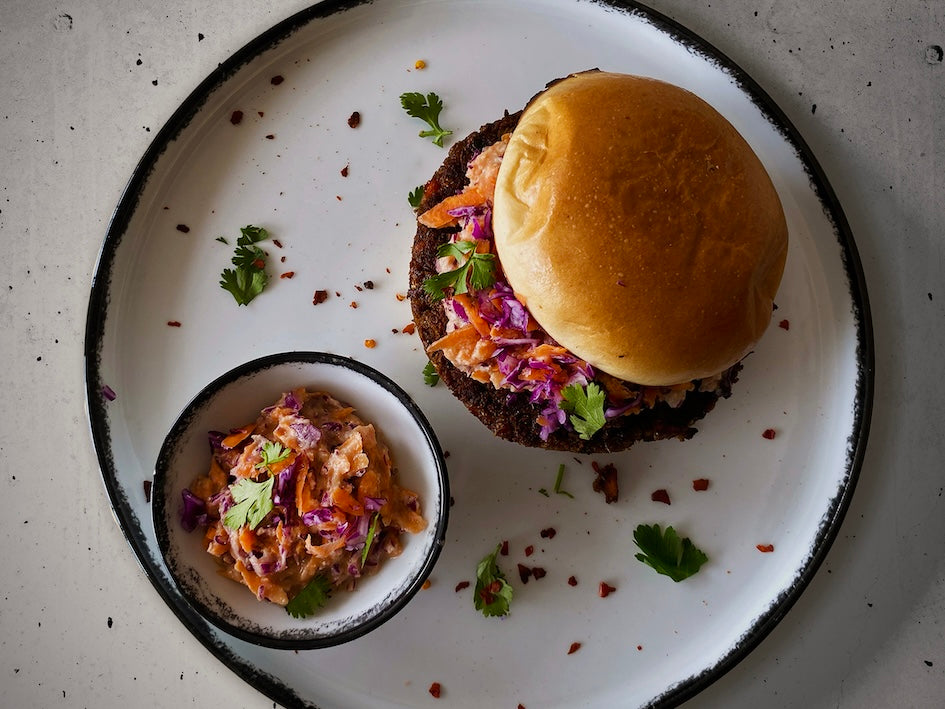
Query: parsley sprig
(477, 271)
(314, 596)
(493, 595)
(253, 502)
(415, 196)
(667, 553)
(248, 278)
(430, 376)
(272, 452)
(586, 408)
(427, 108)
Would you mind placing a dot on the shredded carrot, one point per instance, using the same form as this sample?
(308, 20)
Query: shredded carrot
(237, 436)
(343, 499)
(438, 216)
(472, 312)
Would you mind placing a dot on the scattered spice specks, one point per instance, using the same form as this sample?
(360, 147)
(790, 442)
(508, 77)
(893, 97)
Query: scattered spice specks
(354, 120)
(529, 550)
(548, 533)
(426, 584)
(354, 304)
(524, 573)
(660, 496)
(173, 323)
(606, 481)
(409, 328)
(183, 228)
(320, 296)
(928, 663)
(574, 648)
(109, 622)
(344, 171)
(504, 548)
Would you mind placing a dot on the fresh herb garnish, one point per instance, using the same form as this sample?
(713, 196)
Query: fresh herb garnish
(222, 240)
(415, 196)
(248, 278)
(372, 531)
(667, 553)
(544, 492)
(253, 502)
(586, 408)
(272, 452)
(314, 596)
(478, 271)
(430, 376)
(428, 110)
(558, 479)
(493, 595)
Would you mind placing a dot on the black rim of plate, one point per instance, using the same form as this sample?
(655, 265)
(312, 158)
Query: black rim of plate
(100, 296)
(300, 640)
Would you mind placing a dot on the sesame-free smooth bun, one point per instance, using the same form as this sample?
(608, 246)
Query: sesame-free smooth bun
(639, 228)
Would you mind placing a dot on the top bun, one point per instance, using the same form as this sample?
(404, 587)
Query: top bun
(639, 228)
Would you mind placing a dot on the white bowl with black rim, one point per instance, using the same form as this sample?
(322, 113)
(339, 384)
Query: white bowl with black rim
(237, 397)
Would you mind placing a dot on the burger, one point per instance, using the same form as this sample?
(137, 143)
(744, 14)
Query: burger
(591, 271)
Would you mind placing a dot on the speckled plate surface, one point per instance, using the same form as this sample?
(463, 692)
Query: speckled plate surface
(334, 196)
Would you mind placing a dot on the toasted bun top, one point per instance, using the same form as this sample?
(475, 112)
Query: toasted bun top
(639, 228)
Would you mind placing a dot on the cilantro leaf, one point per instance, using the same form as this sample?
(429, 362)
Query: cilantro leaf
(428, 110)
(478, 270)
(272, 452)
(253, 502)
(586, 408)
(248, 278)
(667, 553)
(430, 376)
(314, 596)
(493, 595)
(372, 530)
(415, 196)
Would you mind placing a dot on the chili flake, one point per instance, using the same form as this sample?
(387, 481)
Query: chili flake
(700, 484)
(435, 690)
(660, 496)
(768, 433)
(574, 648)
(765, 548)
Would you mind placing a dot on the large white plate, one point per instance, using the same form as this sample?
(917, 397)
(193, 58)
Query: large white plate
(650, 642)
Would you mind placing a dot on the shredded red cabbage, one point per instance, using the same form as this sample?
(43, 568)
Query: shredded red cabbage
(193, 511)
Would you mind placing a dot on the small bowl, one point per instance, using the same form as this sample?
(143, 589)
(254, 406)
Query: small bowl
(236, 398)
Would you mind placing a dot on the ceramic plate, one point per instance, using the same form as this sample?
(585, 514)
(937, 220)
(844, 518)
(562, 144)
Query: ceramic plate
(335, 198)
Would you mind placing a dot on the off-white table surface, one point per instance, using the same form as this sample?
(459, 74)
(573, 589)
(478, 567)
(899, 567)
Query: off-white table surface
(84, 84)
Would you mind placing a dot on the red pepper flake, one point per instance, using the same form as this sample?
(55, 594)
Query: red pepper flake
(409, 328)
(574, 648)
(504, 548)
(539, 572)
(768, 433)
(236, 117)
(338, 197)
(660, 496)
(277, 79)
(700, 484)
(524, 573)
(282, 259)
(572, 580)
(173, 323)
(370, 344)
(320, 296)
(461, 585)
(605, 589)
(287, 274)
(354, 120)
(765, 548)
(183, 228)
(400, 296)
(606, 481)
(436, 690)
(784, 325)
(147, 491)
(426, 584)
(639, 647)
(358, 288)
(548, 533)
(259, 263)
(529, 550)
(344, 171)
(354, 304)
(520, 706)
(277, 243)
(260, 113)
(270, 136)
(369, 285)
